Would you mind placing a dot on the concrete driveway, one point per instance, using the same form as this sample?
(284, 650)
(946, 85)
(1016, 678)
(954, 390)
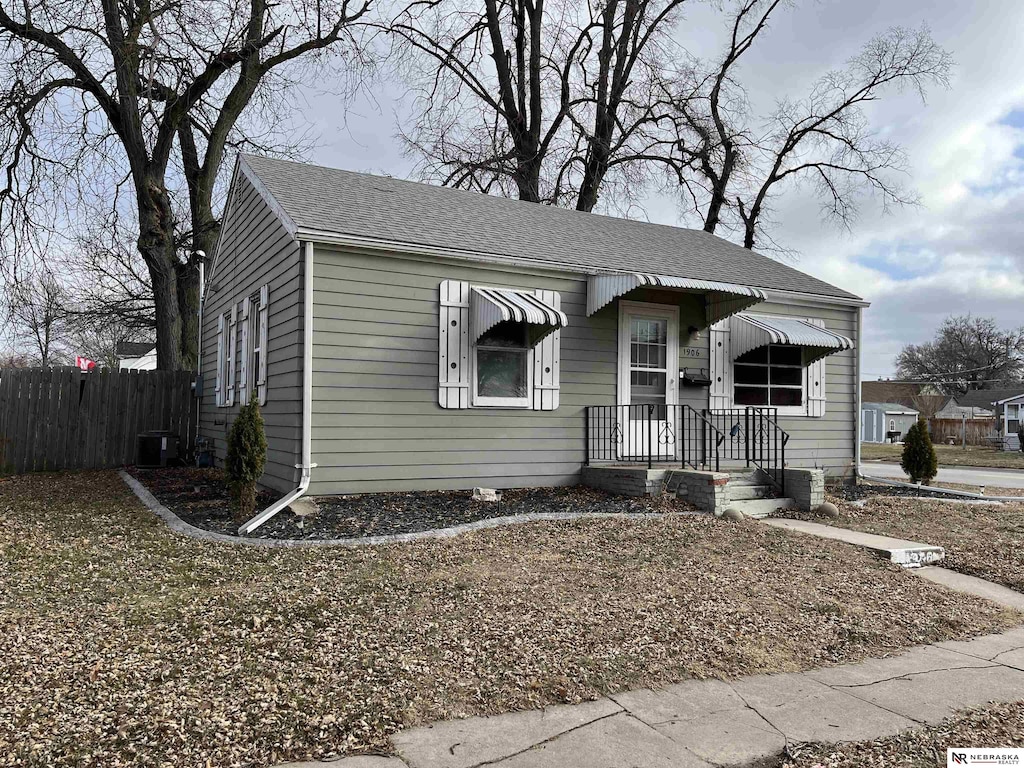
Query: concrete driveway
(997, 478)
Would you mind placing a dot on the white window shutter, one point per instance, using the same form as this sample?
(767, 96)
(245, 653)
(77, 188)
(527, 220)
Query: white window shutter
(243, 369)
(229, 395)
(816, 381)
(261, 374)
(547, 361)
(720, 367)
(453, 345)
(218, 386)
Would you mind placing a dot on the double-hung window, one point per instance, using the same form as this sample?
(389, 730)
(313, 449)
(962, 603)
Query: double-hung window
(502, 366)
(770, 376)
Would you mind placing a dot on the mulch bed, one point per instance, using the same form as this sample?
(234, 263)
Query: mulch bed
(199, 497)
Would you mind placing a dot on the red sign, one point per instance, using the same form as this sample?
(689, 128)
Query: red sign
(85, 363)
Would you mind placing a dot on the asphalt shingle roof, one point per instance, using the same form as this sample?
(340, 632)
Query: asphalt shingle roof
(362, 205)
(983, 398)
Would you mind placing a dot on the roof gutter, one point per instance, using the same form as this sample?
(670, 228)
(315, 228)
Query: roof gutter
(307, 465)
(417, 249)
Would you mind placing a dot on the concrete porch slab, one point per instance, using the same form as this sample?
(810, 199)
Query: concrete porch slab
(899, 551)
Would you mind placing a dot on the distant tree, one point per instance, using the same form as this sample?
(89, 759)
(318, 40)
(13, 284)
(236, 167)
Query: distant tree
(919, 460)
(37, 318)
(967, 353)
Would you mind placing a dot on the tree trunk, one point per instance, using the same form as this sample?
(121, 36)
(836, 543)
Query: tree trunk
(156, 244)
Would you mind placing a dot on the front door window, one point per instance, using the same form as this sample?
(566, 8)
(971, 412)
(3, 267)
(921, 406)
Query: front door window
(648, 361)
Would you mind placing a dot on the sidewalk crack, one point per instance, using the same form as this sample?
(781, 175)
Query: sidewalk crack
(548, 740)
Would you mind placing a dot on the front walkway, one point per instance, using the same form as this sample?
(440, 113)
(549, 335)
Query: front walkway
(701, 723)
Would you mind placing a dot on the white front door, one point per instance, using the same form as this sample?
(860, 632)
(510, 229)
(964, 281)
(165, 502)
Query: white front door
(648, 371)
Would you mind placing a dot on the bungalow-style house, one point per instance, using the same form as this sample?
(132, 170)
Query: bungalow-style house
(1006, 407)
(404, 336)
(886, 422)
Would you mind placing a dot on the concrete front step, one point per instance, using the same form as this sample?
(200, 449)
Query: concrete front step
(760, 508)
(746, 491)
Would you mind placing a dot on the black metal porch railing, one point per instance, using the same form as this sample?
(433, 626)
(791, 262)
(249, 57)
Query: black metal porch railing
(649, 433)
(753, 435)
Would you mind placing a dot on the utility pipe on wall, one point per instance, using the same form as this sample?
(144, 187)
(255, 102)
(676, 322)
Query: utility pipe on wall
(306, 467)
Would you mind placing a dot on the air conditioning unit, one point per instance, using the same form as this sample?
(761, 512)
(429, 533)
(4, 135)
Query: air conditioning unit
(156, 448)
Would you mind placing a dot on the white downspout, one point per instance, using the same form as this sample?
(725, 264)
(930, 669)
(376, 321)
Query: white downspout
(307, 401)
(857, 436)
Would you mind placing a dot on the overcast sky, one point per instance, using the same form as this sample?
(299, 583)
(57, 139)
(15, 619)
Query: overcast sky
(962, 251)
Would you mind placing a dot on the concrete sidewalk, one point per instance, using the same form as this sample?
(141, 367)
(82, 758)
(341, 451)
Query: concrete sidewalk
(703, 723)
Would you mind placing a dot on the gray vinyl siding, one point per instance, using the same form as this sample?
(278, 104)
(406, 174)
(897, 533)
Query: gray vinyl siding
(255, 250)
(377, 425)
(827, 442)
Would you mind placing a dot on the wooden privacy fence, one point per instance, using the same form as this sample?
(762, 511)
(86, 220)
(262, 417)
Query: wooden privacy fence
(64, 418)
(979, 431)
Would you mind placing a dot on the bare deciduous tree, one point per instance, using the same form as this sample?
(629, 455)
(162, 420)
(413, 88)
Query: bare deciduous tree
(153, 95)
(37, 313)
(824, 137)
(967, 353)
(538, 98)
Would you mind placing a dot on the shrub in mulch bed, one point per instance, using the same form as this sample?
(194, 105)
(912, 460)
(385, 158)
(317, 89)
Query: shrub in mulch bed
(198, 497)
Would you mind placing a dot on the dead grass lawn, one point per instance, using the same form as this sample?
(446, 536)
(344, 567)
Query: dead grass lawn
(980, 539)
(1000, 726)
(122, 644)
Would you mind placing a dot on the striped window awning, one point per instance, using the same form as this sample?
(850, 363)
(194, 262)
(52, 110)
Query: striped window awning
(722, 299)
(491, 306)
(750, 331)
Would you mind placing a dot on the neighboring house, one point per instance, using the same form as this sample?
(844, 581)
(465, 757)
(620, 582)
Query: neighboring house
(403, 336)
(1005, 407)
(952, 409)
(135, 356)
(926, 399)
(886, 422)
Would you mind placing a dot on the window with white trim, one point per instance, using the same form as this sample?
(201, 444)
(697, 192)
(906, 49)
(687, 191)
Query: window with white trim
(502, 361)
(770, 376)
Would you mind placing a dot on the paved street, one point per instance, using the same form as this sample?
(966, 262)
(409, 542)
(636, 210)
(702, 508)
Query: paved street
(997, 478)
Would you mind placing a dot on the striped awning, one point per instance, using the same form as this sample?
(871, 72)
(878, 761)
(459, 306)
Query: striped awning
(749, 332)
(721, 299)
(491, 306)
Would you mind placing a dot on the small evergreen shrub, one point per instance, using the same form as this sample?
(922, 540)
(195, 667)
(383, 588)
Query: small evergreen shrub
(919, 460)
(246, 458)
